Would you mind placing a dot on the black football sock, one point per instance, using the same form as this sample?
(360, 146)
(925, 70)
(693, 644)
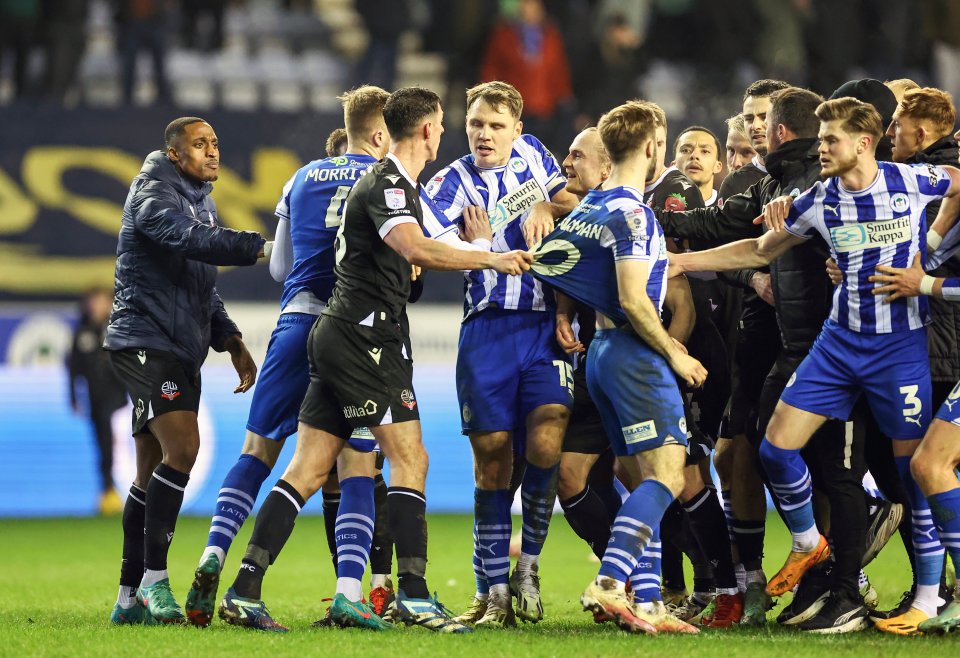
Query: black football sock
(671, 540)
(710, 529)
(271, 531)
(131, 566)
(331, 503)
(408, 525)
(749, 538)
(163, 501)
(587, 516)
(600, 480)
(381, 550)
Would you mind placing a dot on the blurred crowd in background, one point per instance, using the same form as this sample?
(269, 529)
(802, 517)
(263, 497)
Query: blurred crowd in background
(571, 59)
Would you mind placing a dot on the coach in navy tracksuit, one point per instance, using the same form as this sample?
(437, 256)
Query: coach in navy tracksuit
(166, 316)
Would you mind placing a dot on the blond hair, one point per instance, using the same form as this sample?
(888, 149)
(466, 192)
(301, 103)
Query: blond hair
(929, 104)
(736, 125)
(497, 94)
(660, 117)
(900, 86)
(857, 116)
(624, 129)
(363, 110)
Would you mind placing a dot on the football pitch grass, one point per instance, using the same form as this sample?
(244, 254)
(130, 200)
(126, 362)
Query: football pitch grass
(58, 582)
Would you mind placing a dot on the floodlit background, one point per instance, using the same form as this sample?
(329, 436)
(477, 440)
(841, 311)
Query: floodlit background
(87, 86)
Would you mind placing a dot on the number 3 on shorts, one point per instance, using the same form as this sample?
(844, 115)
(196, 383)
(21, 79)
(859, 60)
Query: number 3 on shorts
(912, 404)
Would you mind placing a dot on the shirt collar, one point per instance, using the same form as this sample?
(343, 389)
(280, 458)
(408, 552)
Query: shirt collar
(403, 171)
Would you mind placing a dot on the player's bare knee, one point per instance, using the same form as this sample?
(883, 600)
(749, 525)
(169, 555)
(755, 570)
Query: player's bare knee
(924, 470)
(572, 479)
(264, 449)
(723, 459)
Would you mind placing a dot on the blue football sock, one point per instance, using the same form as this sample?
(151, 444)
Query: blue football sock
(537, 494)
(645, 579)
(354, 534)
(790, 481)
(492, 509)
(926, 539)
(946, 512)
(635, 525)
(483, 589)
(237, 495)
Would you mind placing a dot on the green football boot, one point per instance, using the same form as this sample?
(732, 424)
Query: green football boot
(756, 603)
(159, 602)
(946, 622)
(134, 615)
(355, 614)
(202, 597)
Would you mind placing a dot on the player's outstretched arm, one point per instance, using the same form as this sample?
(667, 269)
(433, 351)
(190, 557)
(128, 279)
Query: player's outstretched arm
(947, 214)
(645, 320)
(738, 255)
(898, 282)
(408, 240)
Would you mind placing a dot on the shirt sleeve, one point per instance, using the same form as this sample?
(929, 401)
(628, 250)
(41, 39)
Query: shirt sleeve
(801, 220)
(446, 192)
(632, 234)
(435, 224)
(391, 204)
(933, 182)
(283, 205)
(553, 177)
(951, 289)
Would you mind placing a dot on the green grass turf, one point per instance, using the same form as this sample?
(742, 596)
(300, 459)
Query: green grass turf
(58, 583)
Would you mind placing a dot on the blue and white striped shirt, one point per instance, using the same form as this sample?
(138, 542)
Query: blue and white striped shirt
(579, 258)
(884, 224)
(507, 193)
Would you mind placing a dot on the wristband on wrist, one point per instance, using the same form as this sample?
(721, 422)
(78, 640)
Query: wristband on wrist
(926, 284)
(933, 240)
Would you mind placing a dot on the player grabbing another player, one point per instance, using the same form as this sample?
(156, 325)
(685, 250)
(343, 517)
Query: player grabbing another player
(361, 373)
(166, 316)
(520, 185)
(870, 214)
(610, 254)
(309, 215)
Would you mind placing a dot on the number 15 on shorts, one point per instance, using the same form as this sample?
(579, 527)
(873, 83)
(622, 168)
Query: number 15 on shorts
(566, 374)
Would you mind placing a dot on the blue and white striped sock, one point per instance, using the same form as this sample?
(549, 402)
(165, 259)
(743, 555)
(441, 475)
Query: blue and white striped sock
(354, 534)
(790, 482)
(634, 527)
(483, 589)
(927, 550)
(645, 579)
(237, 495)
(538, 492)
(946, 512)
(494, 524)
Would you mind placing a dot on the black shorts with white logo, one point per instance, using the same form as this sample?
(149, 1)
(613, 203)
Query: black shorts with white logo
(585, 433)
(157, 384)
(360, 376)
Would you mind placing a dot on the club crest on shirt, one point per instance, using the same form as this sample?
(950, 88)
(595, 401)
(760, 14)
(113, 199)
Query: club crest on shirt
(675, 202)
(517, 165)
(899, 202)
(395, 198)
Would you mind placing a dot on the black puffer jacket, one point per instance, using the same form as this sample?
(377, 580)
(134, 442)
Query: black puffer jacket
(943, 334)
(165, 296)
(801, 289)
